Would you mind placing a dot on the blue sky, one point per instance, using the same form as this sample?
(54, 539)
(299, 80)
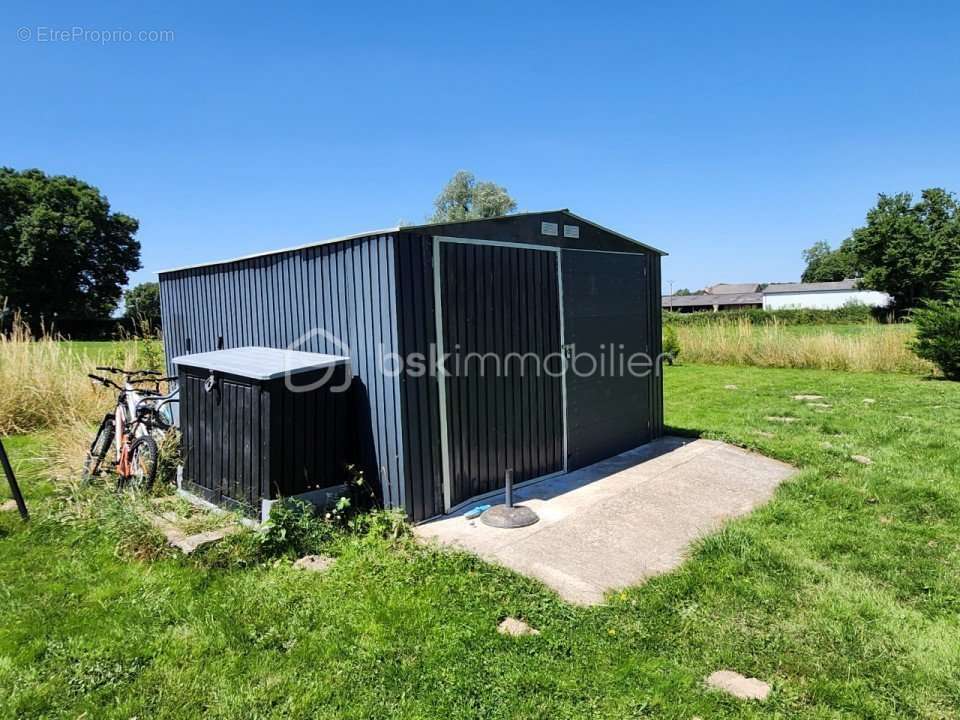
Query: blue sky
(730, 135)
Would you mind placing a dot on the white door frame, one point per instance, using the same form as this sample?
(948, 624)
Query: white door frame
(441, 376)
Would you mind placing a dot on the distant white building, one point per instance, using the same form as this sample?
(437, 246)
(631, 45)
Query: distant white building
(820, 296)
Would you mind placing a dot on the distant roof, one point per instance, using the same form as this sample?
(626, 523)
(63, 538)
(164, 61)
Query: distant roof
(398, 228)
(259, 363)
(733, 288)
(706, 300)
(775, 288)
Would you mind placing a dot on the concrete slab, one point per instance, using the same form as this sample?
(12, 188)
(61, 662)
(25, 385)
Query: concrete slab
(188, 544)
(622, 520)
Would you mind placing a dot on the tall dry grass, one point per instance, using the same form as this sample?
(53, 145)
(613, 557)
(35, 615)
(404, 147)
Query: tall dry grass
(44, 383)
(875, 348)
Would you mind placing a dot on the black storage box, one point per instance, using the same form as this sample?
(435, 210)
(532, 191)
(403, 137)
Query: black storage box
(261, 424)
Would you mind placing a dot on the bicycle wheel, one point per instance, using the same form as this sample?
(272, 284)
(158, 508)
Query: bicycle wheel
(99, 448)
(144, 458)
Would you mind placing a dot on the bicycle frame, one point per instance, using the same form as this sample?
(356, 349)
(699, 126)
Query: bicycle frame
(128, 426)
(129, 415)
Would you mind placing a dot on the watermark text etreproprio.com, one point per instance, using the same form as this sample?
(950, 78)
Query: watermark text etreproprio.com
(94, 36)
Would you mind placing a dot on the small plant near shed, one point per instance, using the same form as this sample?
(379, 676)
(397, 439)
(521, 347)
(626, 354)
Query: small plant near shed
(671, 344)
(297, 528)
(140, 349)
(169, 458)
(938, 329)
(389, 525)
(294, 528)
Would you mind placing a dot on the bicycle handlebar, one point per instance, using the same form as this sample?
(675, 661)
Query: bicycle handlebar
(104, 381)
(128, 373)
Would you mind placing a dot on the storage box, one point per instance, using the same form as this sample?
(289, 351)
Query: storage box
(260, 424)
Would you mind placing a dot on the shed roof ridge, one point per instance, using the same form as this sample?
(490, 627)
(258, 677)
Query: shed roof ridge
(399, 228)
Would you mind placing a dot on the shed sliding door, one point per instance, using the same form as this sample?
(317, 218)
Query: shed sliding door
(500, 324)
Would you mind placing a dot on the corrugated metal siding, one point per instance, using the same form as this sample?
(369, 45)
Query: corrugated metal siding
(655, 316)
(338, 299)
(501, 303)
(311, 441)
(419, 395)
(607, 316)
(420, 403)
(225, 457)
(247, 440)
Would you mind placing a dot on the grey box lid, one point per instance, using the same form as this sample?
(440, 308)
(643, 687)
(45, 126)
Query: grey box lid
(260, 363)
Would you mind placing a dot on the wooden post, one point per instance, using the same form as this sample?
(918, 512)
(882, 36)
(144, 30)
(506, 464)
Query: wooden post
(12, 481)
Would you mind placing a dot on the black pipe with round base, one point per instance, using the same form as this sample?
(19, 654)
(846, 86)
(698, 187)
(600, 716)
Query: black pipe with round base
(509, 515)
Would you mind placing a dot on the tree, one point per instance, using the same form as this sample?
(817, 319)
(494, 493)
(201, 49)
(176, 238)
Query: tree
(142, 303)
(682, 292)
(908, 249)
(827, 265)
(938, 329)
(464, 198)
(62, 252)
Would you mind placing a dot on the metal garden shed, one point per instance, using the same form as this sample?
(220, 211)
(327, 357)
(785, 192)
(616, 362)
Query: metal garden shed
(539, 290)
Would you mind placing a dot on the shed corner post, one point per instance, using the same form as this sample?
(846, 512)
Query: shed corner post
(441, 381)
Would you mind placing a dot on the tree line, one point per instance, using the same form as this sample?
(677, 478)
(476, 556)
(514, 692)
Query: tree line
(66, 254)
(906, 249)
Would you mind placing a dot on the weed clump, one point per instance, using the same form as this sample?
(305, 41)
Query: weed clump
(671, 344)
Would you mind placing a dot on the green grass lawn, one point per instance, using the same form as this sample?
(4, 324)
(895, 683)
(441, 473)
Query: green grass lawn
(844, 592)
(98, 351)
(25, 453)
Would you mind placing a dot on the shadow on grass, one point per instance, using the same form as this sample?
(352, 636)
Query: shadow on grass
(691, 433)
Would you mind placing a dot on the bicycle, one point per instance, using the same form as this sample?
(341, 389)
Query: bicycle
(143, 416)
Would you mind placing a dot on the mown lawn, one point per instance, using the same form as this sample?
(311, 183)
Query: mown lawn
(99, 351)
(844, 592)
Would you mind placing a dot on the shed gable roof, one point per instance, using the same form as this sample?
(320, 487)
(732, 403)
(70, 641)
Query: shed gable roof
(423, 228)
(544, 213)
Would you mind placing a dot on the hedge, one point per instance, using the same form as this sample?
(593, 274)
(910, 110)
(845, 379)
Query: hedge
(844, 315)
(78, 328)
